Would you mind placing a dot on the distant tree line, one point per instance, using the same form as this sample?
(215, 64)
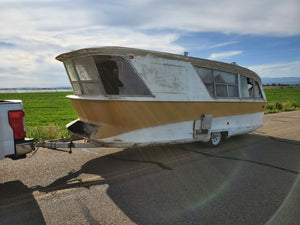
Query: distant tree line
(280, 85)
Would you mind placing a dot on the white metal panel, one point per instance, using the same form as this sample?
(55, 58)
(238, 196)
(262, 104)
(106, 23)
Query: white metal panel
(238, 124)
(171, 80)
(170, 133)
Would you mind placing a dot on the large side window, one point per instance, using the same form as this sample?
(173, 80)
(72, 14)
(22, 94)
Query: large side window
(226, 84)
(118, 77)
(219, 83)
(206, 76)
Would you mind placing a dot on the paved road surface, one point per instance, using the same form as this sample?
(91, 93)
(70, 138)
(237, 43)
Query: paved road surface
(250, 179)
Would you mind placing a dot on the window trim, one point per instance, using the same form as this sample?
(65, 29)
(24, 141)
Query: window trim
(238, 85)
(259, 90)
(225, 84)
(69, 76)
(124, 57)
(81, 82)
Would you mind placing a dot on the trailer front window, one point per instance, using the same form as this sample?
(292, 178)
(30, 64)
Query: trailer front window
(88, 76)
(73, 77)
(118, 77)
(104, 74)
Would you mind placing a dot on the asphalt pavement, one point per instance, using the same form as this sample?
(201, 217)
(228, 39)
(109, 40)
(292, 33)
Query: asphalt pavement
(249, 179)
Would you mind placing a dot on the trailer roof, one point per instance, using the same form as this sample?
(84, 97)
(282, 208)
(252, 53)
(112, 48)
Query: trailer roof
(112, 50)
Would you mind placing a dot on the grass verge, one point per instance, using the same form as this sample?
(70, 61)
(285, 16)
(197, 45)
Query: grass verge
(49, 132)
(281, 107)
(46, 113)
(282, 99)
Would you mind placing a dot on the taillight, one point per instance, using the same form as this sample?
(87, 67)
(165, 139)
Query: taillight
(17, 122)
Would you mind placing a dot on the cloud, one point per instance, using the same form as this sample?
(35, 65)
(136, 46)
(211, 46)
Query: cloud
(270, 17)
(17, 60)
(32, 61)
(290, 69)
(104, 35)
(21, 68)
(224, 55)
(223, 44)
(33, 32)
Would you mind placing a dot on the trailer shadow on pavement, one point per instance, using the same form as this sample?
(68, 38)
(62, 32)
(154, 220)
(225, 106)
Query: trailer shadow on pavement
(18, 205)
(250, 179)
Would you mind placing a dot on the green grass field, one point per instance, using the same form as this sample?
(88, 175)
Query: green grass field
(48, 113)
(282, 99)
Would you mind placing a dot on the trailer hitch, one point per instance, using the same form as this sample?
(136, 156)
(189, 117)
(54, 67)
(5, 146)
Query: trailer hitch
(67, 143)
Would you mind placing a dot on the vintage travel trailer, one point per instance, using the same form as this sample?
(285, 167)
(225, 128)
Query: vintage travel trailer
(131, 97)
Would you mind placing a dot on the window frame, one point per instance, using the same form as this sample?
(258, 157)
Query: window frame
(225, 84)
(260, 93)
(76, 81)
(84, 81)
(238, 84)
(82, 91)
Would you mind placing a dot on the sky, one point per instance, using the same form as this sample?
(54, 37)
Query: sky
(262, 35)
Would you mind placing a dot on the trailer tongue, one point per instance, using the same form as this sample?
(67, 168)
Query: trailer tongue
(67, 143)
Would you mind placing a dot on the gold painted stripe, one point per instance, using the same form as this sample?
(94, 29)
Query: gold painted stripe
(115, 117)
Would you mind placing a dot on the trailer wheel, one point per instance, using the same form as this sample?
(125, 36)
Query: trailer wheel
(215, 139)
